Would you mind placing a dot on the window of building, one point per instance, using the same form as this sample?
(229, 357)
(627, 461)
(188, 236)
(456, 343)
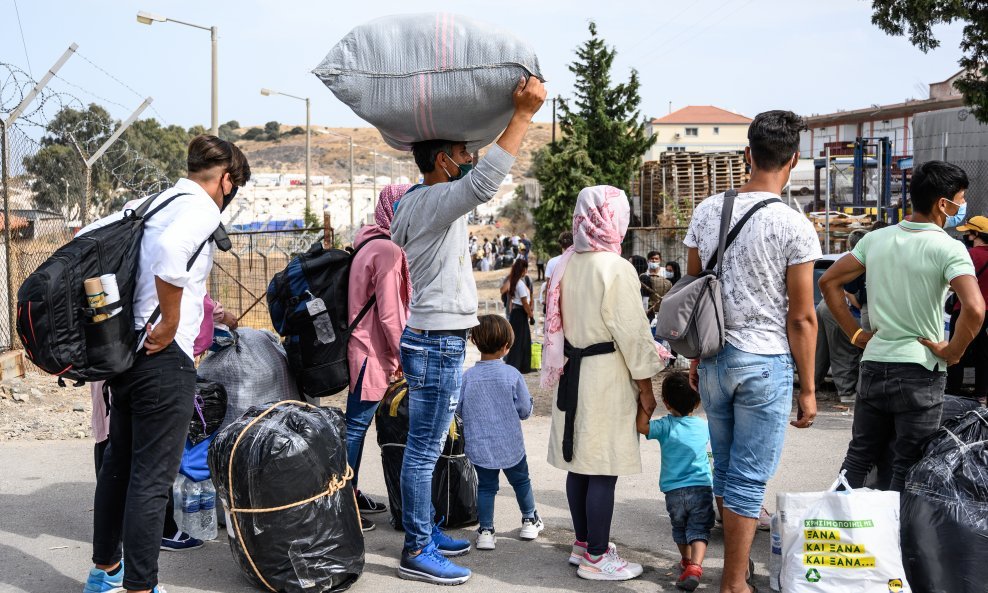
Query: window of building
(692, 131)
(675, 149)
(716, 130)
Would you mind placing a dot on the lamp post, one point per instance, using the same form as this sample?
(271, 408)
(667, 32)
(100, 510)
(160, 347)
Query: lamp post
(146, 18)
(308, 145)
(353, 203)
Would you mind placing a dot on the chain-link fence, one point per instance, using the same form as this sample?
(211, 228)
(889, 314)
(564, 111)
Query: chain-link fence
(666, 240)
(956, 136)
(241, 275)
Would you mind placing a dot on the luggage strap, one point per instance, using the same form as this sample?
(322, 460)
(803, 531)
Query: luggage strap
(336, 483)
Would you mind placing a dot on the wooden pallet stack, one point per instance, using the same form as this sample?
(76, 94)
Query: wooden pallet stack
(726, 170)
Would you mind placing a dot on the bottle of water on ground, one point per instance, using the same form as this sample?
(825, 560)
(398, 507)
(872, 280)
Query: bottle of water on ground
(187, 500)
(207, 511)
(775, 559)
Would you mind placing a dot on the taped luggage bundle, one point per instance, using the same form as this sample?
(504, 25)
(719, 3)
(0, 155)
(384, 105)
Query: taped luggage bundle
(454, 481)
(945, 509)
(292, 515)
(253, 370)
(429, 76)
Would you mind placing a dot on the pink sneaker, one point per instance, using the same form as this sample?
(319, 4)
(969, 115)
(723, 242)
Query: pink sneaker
(580, 548)
(608, 567)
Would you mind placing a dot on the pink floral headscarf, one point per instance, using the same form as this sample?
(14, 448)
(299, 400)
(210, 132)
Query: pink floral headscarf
(383, 215)
(600, 222)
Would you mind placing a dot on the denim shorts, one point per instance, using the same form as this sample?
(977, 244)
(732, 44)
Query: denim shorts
(691, 510)
(747, 398)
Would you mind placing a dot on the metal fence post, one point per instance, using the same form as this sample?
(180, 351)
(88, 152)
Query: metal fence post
(7, 237)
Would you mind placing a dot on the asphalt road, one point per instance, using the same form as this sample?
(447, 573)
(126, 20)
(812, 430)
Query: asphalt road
(46, 491)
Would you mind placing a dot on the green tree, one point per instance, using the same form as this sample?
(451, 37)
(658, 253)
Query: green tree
(562, 173)
(272, 130)
(603, 139)
(918, 17)
(254, 134)
(228, 131)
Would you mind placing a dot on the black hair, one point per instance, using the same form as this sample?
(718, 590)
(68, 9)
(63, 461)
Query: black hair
(206, 152)
(641, 265)
(933, 180)
(493, 334)
(678, 394)
(653, 253)
(677, 272)
(426, 151)
(774, 138)
(565, 239)
(878, 224)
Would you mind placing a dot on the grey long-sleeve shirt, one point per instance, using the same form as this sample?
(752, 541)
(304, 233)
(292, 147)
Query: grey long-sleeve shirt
(430, 224)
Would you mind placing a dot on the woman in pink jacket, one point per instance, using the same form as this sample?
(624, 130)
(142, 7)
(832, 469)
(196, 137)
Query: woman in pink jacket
(379, 270)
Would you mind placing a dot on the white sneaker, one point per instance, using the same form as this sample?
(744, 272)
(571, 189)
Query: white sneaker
(609, 567)
(486, 540)
(531, 528)
(580, 548)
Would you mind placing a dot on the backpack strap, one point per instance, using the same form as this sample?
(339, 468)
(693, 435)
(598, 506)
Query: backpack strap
(159, 208)
(373, 299)
(725, 241)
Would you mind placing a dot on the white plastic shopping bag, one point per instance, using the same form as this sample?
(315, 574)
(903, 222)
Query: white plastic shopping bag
(838, 542)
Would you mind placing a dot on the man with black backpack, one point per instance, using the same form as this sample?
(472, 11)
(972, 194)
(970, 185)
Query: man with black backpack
(153, 400)
(766, 276)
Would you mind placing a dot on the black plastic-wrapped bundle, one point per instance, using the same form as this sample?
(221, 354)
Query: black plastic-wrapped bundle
(209, 410)
(282, 473)
(454, 481)
(945, 510)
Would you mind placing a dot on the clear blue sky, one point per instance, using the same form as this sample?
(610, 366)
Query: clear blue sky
(744, 55)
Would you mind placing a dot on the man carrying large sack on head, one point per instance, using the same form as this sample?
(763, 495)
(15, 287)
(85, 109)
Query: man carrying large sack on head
(430, 224)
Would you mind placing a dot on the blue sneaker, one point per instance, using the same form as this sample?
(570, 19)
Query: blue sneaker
(100, 582)
(447, 546)
(430, 566)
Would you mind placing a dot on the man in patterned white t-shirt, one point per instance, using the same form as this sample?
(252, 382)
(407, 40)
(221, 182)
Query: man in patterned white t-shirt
(767, 283)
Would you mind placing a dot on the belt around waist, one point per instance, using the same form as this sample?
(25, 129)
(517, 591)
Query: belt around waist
(456, 333)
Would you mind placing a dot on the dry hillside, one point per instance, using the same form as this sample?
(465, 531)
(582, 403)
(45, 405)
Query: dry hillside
(331, 153)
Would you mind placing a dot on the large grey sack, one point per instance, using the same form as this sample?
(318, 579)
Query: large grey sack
(429, 76)
(254, 371)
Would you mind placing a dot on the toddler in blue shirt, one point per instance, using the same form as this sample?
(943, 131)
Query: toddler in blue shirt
(685, 478)
(493, 401)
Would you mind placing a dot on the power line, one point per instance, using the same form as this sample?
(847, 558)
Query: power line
(121, 83)
(638, 43)
(23, 41)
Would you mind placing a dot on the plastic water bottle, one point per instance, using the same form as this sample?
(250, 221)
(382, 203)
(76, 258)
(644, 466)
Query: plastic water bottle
(191, 492)
(775, 559)
(207, 511)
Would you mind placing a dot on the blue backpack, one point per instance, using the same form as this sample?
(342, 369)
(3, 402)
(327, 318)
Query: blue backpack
(309, 308)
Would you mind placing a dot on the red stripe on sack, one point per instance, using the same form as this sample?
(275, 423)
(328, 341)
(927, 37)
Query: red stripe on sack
(30, 322)
(63, 370)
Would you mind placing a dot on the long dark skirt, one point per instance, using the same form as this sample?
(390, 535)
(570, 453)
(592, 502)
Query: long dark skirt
(520, 355)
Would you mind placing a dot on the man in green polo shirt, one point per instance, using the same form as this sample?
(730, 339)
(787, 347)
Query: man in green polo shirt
(909, 269)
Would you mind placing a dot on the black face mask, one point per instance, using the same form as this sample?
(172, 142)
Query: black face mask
(229, 198)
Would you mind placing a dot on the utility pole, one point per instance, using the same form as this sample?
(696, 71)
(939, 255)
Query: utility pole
(353, 202)
(374, 171)
(553, 120)
(214, 111)
(308, 158)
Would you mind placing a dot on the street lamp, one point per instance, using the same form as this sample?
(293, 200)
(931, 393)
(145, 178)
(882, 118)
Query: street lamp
(146, 18)
(353, 203)
(308, 145)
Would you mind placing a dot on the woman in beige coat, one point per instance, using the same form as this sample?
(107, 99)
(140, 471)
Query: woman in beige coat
(599, 349)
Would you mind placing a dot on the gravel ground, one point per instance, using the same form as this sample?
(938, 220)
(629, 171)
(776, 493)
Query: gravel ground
(36, 408)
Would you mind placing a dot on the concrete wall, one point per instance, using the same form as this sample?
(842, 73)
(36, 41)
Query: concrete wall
(728, 137)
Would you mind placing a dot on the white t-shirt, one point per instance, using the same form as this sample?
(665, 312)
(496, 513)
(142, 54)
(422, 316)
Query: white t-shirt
(754, 273)
(521, 292)
(171, 236)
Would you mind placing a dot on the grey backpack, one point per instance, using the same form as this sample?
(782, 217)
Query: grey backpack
(691, 318)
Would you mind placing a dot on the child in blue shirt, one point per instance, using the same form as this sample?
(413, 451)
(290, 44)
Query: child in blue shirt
(685, 478)
(493, 401)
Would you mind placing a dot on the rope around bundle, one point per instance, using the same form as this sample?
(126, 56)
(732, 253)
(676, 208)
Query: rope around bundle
(336, 483)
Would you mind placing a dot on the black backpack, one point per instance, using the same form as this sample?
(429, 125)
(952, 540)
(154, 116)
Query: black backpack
(54, 320)
(309, 307)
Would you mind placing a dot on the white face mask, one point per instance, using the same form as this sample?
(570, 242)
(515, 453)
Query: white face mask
(669, 274)
(654, 265)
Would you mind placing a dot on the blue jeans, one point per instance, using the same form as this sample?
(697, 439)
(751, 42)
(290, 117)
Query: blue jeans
(691, 511)
(488, 483)
(747, 398)
(433, 367)
(359, 415)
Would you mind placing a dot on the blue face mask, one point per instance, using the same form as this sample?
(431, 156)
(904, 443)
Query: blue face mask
(957, 219)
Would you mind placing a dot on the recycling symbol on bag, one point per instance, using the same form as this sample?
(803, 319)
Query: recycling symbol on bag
(813, 575)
